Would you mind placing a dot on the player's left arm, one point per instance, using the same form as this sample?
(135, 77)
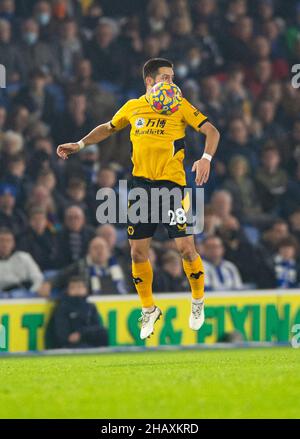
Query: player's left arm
(202, 166)
(193, 117)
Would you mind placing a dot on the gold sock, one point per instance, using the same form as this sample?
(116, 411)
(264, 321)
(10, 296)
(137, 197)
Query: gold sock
(142, 275)
(195, 273)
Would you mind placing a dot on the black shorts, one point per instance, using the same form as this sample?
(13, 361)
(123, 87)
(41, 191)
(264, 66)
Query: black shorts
(144, 214)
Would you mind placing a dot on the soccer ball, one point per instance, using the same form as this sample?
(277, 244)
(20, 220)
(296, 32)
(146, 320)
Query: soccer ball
(165, 98)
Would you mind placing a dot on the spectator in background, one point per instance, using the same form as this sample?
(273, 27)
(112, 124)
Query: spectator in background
(237, 46)
(68, 47)
(41, 157)
(221, 204)
(206, 11)
(18, 271)
(240, 251)
(19, 120)
(181, 30)
(106, 180)
(265, 10)
(212, 222)
(74, 238)
(102, 274)
(160, 280)
(35, 97)
(76, 194)
(294, 221)
(259, 77)
(120, 254)
(158, 12)
(273, 235)
(103, 50)
(3, 116)
(75, 122)
(242, 188)
(100, 103)
(287, 270)
(238, 143)
(15, 176)
(10, 56)
(90, 163)
(271, 179)
(220, 274)
(266, 112)
(175, 280)
(10, 216)
(235, 10)
(238, 99)
(12, 144)
(8, 11)
(35, 53)
(213, 97)
(39, 241)
(75, 322)
(42, 13)
(40, 196)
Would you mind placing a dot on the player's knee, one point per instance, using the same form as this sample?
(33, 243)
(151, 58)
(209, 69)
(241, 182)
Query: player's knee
(139, 255)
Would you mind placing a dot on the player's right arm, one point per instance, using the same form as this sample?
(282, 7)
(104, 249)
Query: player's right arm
(101, 132)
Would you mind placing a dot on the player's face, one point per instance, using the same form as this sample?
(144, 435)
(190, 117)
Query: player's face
(165, 74)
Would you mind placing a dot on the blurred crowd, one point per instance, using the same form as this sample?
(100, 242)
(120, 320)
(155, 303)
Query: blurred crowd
(70, 64)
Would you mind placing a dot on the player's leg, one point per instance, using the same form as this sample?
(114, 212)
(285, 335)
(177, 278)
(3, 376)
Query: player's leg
(142, 275)
(193, 268)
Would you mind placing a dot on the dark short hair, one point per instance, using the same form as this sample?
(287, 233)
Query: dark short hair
(37, 211)
(6, 231)
(77, 279)
(75, 182)
(289, 241)
(152, 65)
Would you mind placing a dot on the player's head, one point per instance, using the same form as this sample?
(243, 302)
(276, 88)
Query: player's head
(157, 70)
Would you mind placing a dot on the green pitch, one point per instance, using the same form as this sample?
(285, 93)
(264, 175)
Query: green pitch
(185, 384)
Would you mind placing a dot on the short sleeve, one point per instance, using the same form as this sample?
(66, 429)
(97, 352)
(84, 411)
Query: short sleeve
(192, 115)
(120, 119)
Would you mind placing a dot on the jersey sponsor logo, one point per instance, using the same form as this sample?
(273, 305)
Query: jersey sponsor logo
(153, 126)
(140, 122)
(156, 123)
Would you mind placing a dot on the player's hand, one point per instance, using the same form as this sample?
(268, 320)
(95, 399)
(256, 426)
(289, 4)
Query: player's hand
(74, 337)
(64, 150)
(202, 168)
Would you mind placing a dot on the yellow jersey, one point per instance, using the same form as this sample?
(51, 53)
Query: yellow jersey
(158, 140)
